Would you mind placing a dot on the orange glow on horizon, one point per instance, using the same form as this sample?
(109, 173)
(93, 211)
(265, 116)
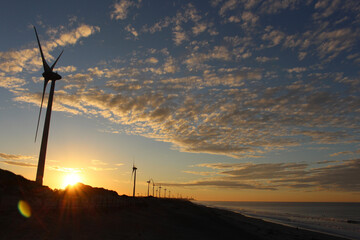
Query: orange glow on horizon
(71, 179)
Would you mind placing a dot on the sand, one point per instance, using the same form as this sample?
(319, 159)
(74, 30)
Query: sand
(137, 218)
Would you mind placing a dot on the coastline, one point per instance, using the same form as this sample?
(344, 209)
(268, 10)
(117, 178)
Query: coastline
(337, 227)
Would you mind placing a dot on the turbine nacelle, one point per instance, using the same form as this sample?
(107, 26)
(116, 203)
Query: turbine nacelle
(51, 76)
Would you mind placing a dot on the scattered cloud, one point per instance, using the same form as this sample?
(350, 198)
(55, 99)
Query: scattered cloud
(218, 94)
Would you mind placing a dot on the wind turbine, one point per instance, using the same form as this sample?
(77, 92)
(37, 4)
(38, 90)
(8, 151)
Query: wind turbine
(165, 193)
(148, 182)
(153, 187)
(134, 172)
(160, 191)
(49, 75)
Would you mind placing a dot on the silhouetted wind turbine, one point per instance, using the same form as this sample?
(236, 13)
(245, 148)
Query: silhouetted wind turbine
(165, 193)
(148, 182)
(160, 191)
(48, 75)
(134, 172)
(153, 187)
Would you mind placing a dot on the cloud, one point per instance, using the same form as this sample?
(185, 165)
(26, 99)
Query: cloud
(64, 169)
(273, 36)
(17, 160)
(195, 60)
(16, 61)
(67, 69)
(121, 9)
(339, 176)
(179, 35)
(228, 5)
(276, 6)
(219, 184)
(14, 157)
(264, 59)
(73, 36)
(152, 60)
(199, 28)
(132, 30)
(345, 153)
(101, 169)
(18, 163)
(11, 82)
(296, 70)
(327, 7)
(97, 162)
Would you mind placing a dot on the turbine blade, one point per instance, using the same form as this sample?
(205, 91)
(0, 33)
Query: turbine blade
(45, 65)
(42, 100)
(52, 67)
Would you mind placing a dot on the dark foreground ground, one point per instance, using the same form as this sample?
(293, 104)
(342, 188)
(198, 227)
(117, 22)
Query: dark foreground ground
(89, 213)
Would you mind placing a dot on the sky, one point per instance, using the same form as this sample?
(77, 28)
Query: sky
(234, 100)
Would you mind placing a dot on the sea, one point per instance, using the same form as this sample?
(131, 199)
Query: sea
(339, 219)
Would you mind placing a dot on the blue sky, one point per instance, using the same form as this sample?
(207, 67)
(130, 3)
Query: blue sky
(216, 99)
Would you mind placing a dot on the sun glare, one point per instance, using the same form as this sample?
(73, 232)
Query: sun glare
(71, 179)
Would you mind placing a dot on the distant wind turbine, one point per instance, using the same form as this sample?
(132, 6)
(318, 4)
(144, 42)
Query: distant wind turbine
(49, 75)
(148, 182)
(153, 187)
(160, 191)
(165, 193)
(134, 173)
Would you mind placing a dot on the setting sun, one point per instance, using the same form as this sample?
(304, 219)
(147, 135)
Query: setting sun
(71, 179)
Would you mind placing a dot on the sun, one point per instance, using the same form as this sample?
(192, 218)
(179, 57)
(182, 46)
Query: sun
(71, 179)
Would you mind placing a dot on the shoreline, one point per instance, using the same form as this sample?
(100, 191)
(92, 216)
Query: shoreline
(288, 222)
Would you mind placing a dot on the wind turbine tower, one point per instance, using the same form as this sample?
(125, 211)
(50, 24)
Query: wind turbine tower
(148, 182)
(165, 193)
(153, 187)
(160, 191)
(134, 172)
(49, 75)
